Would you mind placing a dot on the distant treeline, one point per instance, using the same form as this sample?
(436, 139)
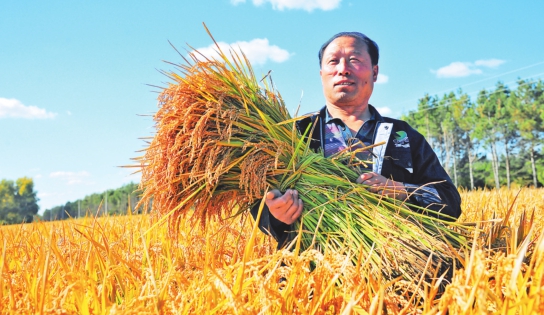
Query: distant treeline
(114, 201)
(493, 141)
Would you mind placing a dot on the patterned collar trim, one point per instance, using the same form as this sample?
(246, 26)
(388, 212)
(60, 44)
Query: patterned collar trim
(373, 114)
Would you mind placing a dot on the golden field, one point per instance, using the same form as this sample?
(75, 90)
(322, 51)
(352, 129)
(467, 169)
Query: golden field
(121, 265)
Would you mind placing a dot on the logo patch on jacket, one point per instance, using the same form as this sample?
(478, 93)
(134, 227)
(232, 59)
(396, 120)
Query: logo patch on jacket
(401, 140)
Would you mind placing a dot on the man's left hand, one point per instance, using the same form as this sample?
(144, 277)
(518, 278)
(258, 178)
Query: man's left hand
(379, 184)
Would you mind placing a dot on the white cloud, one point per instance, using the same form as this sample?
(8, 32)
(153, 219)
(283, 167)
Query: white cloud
(490, 63)
(382, 78)
(384, 111)
(13, 108)
(307, 5)
(258, 51)
(70, 177)
(456, 69)
(459, 69)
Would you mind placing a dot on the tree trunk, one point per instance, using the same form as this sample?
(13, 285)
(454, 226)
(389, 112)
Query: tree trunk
(470, 162)
(447, 150)
(455, 168)
(507, 163)
(533, 166)
(495, 165)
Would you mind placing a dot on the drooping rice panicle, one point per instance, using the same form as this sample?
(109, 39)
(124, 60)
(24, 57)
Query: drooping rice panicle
(224, 137)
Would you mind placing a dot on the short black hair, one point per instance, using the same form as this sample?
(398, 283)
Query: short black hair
(372, 47)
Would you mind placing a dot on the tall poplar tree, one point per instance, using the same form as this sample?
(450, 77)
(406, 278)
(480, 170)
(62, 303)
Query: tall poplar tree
(464, 114)
(528, 113)
(507, 130)
(486, 129)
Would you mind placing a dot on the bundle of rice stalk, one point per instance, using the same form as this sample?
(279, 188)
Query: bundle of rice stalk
(223, 138)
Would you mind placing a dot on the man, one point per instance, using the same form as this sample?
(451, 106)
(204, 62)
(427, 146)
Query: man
(405, 168)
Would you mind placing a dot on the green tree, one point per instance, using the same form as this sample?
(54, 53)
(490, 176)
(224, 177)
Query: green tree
(507, 126)
(464, 114)
(528, 113)
(423, 118)
(8, 207)
(26, 198)
(18, 201)
(487, 130)
(540, 171)
(452, 105)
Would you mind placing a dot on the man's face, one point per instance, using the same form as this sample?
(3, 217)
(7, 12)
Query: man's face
(347, 73)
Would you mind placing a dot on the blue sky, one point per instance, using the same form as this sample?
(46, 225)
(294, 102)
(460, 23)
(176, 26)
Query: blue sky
(75, 76)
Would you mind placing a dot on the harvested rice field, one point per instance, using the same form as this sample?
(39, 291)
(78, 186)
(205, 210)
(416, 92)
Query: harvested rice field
(128, 265)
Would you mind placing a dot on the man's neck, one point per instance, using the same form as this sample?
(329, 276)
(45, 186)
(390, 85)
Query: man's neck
(349, 113)
(353, 116)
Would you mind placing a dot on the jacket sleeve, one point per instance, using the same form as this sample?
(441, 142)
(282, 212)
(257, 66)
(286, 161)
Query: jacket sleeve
(431, 177)
(268, 224)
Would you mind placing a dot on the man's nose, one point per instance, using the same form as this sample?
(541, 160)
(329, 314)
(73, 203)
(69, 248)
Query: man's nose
(342, 67)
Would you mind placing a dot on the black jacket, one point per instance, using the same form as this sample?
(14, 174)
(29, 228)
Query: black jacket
(415, 163)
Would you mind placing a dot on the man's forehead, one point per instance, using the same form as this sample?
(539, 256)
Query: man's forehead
(346, 44)
(340, 50)
(357, 51)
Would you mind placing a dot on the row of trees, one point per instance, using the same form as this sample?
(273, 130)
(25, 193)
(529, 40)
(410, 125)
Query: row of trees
(113, 201)
(492, 141)
(18, 201)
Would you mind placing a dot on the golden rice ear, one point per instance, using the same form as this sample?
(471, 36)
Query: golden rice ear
(209, 123)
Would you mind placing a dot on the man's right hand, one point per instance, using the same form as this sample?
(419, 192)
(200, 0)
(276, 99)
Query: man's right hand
(285, 207)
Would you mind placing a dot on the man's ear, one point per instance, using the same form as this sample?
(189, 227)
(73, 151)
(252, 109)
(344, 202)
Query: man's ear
(375, 70)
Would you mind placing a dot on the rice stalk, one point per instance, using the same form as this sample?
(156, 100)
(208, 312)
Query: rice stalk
(224, 137)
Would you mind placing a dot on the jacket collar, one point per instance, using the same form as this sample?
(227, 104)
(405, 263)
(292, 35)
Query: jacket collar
(324, 114)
